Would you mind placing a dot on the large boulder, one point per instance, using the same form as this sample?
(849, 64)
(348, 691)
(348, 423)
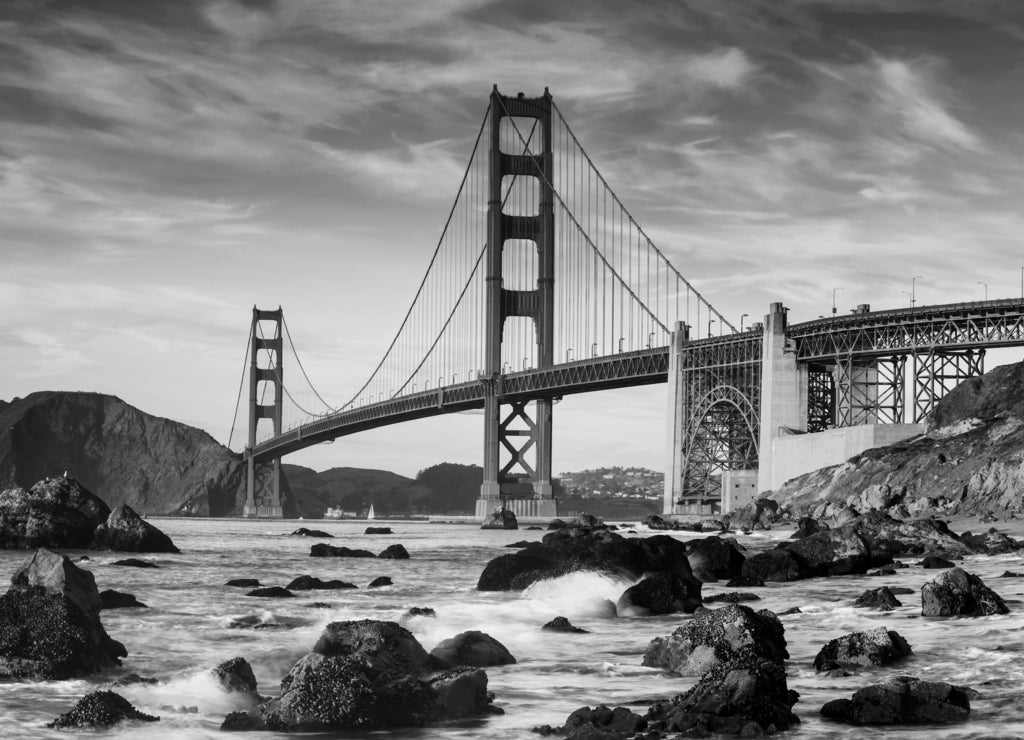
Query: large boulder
(902, 700)
(661, 593)
(871, 647)
(55, 512)
(312, 583)
(111, 599)
(323, 550)
(126, 530)
(772, 565)
(394, 552)
(236, 676)
(882, 599)
(955, 592)
(472, 648)
(49, 622)
(717, 636)
(715, 558)
(501, 519)
(577, 548)
(100, 709)
(363, 676)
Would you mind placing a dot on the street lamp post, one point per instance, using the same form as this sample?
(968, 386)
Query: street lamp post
(986, 288)
(908, 294)
(710, 322)
(741, 320)
(834, 299)
(913, 289)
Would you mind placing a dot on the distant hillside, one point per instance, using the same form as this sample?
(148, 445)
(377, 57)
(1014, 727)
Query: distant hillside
(353, 490)
(122, 454)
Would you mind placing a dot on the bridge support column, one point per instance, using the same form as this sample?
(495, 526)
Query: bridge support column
(678, 417)
(783, 391)
(269, 505)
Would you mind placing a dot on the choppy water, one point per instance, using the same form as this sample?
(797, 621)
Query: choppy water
(185, 631)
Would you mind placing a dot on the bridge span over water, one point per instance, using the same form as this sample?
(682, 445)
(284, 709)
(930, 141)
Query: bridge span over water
(542, 285)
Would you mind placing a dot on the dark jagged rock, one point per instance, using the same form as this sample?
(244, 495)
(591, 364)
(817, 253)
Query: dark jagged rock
(420, 611)
(576, 548)
(363, 676)
(236, 676)
(902, 700)
(49, 622)
(271, 592)
(955, 592)
(55, 512)
(395, 552)
(656, 522)
(773, 565)
(134, 678)
(557, 524)
(100, 709)
(878, 598)
(934, 562)
(871, 647)
(127, 531)
(519, 545)
(135, 563)
(583, 519)
(745, 581)
(561, 624)
(472, 648)
(378, 530)
(110, 599)
(303, 532)
(712, 558)
(311, 583)
(600, 723)
(244, 582)
(323, 550)
(380, 581)
(806, 526)
(790, 610)
(1011, 574)
(731, 597)
(661, 593)
(717, 636)
(992, 542)
(501, 519)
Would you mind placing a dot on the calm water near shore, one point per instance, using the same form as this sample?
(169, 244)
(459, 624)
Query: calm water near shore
(186, 631)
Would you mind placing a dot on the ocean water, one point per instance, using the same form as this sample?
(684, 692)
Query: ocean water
(186, 631)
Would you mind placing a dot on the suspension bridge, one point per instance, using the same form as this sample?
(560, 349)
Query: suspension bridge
(542, 285)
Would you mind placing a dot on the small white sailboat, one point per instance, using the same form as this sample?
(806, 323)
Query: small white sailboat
(370, 515)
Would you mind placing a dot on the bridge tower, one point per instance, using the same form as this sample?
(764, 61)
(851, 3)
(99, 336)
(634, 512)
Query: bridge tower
(509, 427)
(271, 373)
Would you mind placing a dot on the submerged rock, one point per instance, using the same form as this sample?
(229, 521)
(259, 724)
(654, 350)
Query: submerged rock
(561, 624)
(902, 700)
(271, 592)
(379, 581)
(955, 592)
(473, 648)
(303, 532)
(100, 709)
(731, 597)
(311, 583)
(419, 611)
(716, 636)
(323, 550)
(111, 599)
(378, 530)
(244, 582)
(125, 530)
(50, 625)
(871, 647)
(135, 563)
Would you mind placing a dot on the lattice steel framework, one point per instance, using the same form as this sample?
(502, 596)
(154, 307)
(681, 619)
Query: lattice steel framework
(937, 373)
(721, 386)
(821, 398)
(869, 391)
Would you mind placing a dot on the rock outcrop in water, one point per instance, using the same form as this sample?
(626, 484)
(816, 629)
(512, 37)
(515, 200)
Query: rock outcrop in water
(129, 457)
(871, 647)
(575, 548)
(100, 709)
(367, 675)
(50, 625)
(970, 461)
(956, 592)
(902, 700)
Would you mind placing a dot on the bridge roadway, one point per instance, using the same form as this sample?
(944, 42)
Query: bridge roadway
(983, 324)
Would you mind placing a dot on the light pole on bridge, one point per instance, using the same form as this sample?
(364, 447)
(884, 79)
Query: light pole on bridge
(913, 289)
(986, 288)
(908, 294)
(710, 322)
(745, 316)
(834, 299)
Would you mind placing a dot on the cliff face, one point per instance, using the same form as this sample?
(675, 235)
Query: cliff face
(971, 460)
(124, 455)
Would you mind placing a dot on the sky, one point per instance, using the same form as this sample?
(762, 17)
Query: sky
(165, 166)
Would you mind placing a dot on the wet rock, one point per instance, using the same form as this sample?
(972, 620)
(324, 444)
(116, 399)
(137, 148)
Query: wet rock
(731, 597)
(901, 590)
(378, 530)
(395, 552)
(882, 599)
(319, 605)
(271, 592)
(420, 611)
(236, 676)
(303, 532)
(773, 565)
(661, 593)
(902, 700)
(127, 531)
(135, 563)
(656, 522)
(581, 549)
(561, 624)
(501, 519)
(716, 636)
(871, 647)
(311, 583)
(745, 581)
(111, 599)
(55, 512)
(557, 524)
(721, 557)
(991, 542)
(380, 581)
(1011, 574)
(583, 519)
(134, 678)
(599, 723)
(244, 582)
(790, 610)
(49, 622)
(806, 526)
(462, 692)
(834, 552)
(472, 648)
(323, 550)
(955, 592)
(100, 709)
(936, 562)
(519, 545)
